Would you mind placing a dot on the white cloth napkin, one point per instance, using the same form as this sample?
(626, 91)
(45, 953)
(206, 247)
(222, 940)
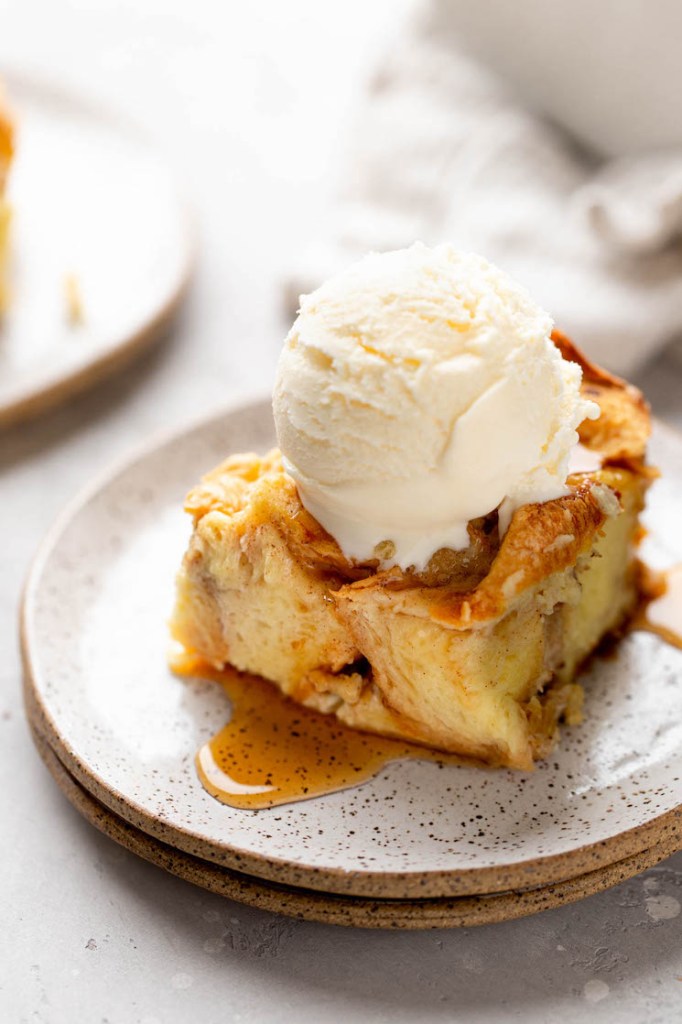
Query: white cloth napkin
(443, 151)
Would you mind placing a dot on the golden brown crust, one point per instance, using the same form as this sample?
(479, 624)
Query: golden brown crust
(542, 540)
(272, 498)
(622, 431)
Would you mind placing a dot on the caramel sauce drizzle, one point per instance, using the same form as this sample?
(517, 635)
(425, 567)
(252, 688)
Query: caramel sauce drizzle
(273, 751)
(660, 608)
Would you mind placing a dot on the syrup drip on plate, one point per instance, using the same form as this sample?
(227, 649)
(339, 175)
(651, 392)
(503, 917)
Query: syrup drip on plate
(273, 751)
(660, 610)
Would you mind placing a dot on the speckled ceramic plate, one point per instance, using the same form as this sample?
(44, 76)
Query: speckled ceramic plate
(99, 692)
(328, 908)
(97, 219)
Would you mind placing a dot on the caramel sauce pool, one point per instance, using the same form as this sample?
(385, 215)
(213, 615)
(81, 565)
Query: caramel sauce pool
(273, 751)
(660, 610)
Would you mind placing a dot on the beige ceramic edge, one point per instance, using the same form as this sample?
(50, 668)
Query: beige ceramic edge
(35, 401)
(466, 911)
(665, 830)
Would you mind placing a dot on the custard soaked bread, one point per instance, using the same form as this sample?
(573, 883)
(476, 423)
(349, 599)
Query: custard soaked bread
(477, 653)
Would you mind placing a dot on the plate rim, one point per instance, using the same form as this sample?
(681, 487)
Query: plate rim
(450, 882)
(330, 908)
(30, 400)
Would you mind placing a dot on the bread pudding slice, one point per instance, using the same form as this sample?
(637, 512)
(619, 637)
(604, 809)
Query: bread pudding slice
(6, 154)
(478, 654)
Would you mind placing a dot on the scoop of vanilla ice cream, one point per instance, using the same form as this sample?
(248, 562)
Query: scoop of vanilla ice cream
(418, 390)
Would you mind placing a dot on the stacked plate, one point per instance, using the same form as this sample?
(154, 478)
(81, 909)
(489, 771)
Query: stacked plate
(421, 845)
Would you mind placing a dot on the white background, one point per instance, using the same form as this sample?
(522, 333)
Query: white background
(249, 100)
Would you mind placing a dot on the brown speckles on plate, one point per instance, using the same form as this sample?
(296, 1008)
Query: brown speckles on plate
(349, 911)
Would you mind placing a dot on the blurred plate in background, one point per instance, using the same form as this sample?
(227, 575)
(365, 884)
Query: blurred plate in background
(101, 252)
